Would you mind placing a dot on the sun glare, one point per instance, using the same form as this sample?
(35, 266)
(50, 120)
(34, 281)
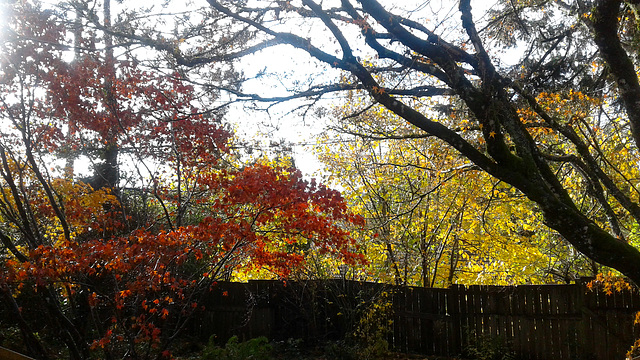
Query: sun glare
(4, 17)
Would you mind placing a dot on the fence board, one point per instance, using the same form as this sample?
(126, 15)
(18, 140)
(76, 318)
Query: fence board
(526, 323)
(454, 320)
(465, 317)
(414, 322)
(544, 325)
(443, 324)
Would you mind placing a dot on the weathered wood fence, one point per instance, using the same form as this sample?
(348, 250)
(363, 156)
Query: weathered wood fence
(536, 322)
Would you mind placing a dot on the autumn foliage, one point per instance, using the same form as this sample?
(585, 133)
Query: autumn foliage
(120, 269)
(144, 281)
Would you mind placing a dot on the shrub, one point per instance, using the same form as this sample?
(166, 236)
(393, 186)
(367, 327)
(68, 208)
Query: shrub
(485, 347)
(252, 349)
(374, 327)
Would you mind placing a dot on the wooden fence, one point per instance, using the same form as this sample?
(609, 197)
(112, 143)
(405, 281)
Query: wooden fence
(535, 322)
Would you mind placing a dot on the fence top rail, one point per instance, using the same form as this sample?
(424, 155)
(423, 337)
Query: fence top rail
(579, 288)
(12, 355)
(582, 283)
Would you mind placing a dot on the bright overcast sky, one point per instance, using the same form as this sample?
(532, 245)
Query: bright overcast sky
(285, 66)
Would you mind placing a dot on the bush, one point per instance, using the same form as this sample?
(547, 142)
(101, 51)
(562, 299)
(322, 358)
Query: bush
(374, 327)
(485, 347)
(253, 349)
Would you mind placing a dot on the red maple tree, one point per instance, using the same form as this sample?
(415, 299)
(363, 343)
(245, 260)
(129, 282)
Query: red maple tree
(120, 269)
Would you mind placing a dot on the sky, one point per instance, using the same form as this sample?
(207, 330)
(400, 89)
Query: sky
(286, 65)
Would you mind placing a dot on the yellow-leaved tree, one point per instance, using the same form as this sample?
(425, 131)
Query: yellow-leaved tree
(433, 218)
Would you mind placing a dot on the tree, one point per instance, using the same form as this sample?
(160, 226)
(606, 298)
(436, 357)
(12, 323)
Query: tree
(114, 266)
(432, 219)
(598, 218)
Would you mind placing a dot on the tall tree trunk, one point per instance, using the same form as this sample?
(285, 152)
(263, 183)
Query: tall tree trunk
(106, 174)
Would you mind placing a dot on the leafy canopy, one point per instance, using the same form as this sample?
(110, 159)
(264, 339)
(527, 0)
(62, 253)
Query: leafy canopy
(504, 124)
